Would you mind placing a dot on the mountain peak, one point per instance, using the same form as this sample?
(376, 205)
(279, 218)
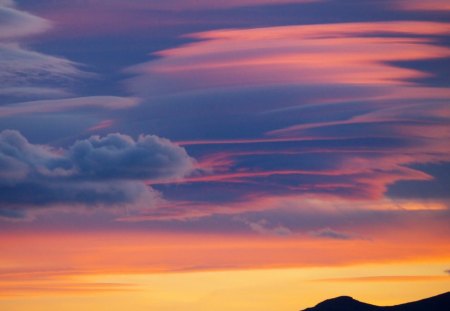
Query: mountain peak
(347, 303)
(342, 303)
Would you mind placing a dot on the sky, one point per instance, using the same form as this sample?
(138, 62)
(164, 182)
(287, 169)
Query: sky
(223, 155)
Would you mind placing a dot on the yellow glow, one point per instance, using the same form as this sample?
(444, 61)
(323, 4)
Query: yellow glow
(270, 290)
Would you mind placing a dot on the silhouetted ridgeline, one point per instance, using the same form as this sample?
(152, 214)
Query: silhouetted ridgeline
(344, 303)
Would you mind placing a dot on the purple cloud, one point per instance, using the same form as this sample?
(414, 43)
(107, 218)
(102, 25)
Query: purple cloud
(15, 23)
(45, 74)
(42, 70)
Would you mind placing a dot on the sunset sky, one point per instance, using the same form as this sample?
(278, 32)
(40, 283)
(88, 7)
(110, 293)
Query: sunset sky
(226, 155)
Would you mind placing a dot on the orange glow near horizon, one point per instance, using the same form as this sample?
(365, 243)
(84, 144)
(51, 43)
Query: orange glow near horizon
(115, 271)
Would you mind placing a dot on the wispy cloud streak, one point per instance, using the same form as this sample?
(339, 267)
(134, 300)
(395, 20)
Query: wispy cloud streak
(354, 122)
(24, 72)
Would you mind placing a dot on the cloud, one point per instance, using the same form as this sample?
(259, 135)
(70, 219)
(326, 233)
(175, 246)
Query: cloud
(68, 104)
(311, 111)
(23, 68)
(417, 5)
(6, 3)
(345, 54)
(126, 17)
(103, 171)
(34, 92)
(328, 233)
(15, 23)
(263, 226)
(118, 156)
(24, 72)
(101, 125)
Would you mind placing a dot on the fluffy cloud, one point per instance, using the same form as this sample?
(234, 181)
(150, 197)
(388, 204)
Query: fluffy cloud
(118, 156)
(107, 170)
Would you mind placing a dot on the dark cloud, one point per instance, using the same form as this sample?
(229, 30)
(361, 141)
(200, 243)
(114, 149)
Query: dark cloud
(11, 214)
(331, 234)
(107, 170)
(118, 156)
(434, 189)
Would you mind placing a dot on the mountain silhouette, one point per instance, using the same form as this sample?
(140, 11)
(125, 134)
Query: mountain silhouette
(345, 303)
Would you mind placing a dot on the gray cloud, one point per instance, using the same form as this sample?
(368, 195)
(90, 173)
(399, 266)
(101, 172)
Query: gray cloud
(263, 227)
(108, 170)
(6, 3)
(39, 68)
(331, 234)
(119, 156)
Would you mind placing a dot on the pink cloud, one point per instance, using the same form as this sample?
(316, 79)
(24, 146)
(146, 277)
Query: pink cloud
(312, 54)
(357, 55)
(417, 5)
(102, 125)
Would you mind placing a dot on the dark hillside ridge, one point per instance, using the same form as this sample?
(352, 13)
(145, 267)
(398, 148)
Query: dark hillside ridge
(345, 303)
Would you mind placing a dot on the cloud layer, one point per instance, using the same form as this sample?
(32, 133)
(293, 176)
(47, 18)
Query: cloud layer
(345, 54)
(325, 111)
